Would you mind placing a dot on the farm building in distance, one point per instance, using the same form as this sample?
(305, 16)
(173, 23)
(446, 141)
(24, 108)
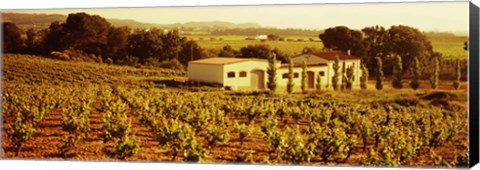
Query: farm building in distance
(251, 73)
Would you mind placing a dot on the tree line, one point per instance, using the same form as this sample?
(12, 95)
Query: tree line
(265, 31)
(92, 38)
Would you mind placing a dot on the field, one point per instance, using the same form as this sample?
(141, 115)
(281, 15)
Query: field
(59, 110)
(290, 45)
(450, 47)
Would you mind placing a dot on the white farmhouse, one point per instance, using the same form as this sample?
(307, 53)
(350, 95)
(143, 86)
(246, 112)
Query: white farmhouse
(230, 72)
(251, 73)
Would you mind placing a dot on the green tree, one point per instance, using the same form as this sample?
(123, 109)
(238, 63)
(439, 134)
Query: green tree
(342, 38)
(364, 77)
(117, 42)
(88, 33)
(34, 43)
(228, 51)
(273, 37)
(256, 51)
(172, 45)
(272, 73)
(190, 51)
(434, 78)
(397, 73)
(54, 38)
(318, 84)
(415, 82)
(290, 83)
(304, 77)
(145, 44)
(379, 74)
(375, 39)
(12, 41)
(410, 43)
(336, 67)
(458, 75)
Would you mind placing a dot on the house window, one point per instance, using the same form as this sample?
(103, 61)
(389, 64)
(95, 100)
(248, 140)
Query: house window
(231, 74)
(243, 74)
(295, 75)
(322, 73)
(285, 76)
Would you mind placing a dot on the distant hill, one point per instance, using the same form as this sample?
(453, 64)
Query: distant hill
(36, 21)
(42, 21)
(216, 24)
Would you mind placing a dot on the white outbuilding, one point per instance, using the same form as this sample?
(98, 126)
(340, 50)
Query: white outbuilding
(234, 73)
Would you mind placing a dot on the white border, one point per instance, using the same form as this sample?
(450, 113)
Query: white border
(48, 4)
(73, 165)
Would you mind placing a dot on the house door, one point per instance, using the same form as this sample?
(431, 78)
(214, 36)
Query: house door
(310, 79)
(257, 79)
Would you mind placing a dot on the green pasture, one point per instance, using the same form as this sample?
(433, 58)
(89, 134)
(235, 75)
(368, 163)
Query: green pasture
(450, 47)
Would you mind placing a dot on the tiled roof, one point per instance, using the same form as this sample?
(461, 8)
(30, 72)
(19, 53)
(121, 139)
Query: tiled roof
(225, 60)
(299, 65)
(330, 55)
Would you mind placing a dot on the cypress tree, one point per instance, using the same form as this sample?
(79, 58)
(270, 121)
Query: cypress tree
(304, 77)
(364, 77)
(415, 83)
(290, 83)
(434, 78)
(272, 73)
(318, 86)
(397, 73)
(336, 68)
(349, 78)
(458, 75)
(379, 73)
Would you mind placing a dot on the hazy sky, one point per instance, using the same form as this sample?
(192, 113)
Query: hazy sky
(427, 16)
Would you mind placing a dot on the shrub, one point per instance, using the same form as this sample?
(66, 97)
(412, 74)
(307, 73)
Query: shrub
(172, 64)
(115, 122)
(125, 148)
(216, 135)
(19, 133)
(109, 61)
(193, 152)
(243, 130)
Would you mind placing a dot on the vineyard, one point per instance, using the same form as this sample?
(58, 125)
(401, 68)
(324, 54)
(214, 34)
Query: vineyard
(88, 111)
